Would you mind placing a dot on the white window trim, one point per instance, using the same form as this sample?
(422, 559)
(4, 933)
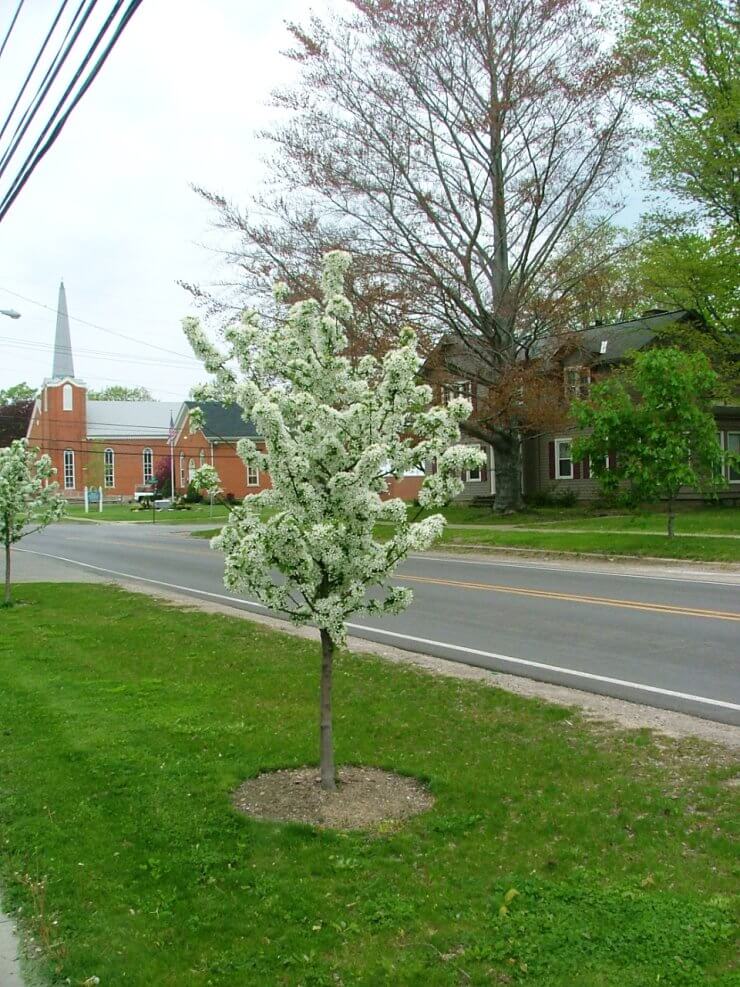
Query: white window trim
(457, 389)
(558, 444)
(182, 469)
(191, 469)
(727, 435)
(109, 475)
(68, 400)
(580, 389)
(469, 478)
(253, 471)
(69, 480)
(150, 453)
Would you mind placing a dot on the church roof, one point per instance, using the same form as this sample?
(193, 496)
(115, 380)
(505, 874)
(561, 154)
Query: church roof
(223, 421)
(130, 419)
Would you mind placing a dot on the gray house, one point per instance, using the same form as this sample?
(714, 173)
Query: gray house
(548, 464)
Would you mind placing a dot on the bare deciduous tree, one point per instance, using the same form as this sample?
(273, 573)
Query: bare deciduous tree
(454, 144)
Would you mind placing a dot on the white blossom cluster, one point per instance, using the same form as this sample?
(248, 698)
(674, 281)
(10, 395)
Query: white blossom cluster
(336, 432)
(206, 477)
(29, 499)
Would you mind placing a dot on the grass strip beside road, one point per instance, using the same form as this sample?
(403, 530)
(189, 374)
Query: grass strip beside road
(588, 543)
(559, 852)
(692, 549)
(197, 514)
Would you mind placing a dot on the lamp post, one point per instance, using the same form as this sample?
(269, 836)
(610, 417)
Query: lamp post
(10, 312)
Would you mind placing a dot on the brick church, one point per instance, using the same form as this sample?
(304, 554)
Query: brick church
(117, 445)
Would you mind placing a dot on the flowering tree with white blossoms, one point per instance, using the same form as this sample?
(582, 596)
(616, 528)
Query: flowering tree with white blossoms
(28, 500)
(336, 433)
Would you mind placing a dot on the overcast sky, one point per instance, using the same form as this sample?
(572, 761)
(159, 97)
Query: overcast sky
(110, 209)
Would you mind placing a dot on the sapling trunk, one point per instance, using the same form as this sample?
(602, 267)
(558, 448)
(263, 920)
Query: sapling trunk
(326, 740)
(7, 572)
(671, 518)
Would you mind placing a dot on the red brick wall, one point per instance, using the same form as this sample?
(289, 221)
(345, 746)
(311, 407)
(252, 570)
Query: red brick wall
(55, 430)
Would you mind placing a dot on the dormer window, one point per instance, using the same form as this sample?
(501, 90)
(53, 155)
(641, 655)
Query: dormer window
(577, 382)
(67, 398)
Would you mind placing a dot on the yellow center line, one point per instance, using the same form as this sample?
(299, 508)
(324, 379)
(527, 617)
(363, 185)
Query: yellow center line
(604, 601)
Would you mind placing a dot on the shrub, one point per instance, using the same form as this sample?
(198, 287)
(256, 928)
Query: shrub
(193, 495)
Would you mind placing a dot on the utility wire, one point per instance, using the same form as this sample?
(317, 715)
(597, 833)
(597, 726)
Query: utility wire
(97, 354)
(32, 162)
(44, 144)
(47, 81)
(36, 61)
(10, 29)
(94, 325)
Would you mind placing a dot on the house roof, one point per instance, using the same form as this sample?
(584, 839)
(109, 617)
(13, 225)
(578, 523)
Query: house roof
(611, 343)
(14, 419)
(130, 419)
(223, 421)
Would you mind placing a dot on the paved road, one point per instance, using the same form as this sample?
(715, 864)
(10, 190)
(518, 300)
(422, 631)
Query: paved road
(668, 639)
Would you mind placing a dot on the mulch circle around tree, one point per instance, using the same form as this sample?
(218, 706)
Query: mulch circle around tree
(365, 797)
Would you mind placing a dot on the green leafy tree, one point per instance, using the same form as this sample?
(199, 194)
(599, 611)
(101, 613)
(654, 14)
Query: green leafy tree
(679, 266)
(17, 392)
(657, 417)
(29, 497)
(687, 54)
(117, 392)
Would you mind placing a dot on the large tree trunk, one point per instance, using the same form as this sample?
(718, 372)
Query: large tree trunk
(508, 471)
(7, 573)
(326, 740)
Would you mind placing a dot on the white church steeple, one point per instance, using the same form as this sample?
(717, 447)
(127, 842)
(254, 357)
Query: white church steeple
(63, 362)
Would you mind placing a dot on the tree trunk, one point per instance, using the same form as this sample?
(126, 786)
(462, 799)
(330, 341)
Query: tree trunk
(671, 517)
(7, 573)
(508, 470)
(326, 740)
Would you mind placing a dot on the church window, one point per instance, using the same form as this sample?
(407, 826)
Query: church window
(109, 468)
(69, 469)
(148, 457)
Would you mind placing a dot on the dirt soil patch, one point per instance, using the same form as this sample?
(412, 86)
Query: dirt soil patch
(364, 798)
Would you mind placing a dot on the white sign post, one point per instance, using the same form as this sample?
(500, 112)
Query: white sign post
(87, 504)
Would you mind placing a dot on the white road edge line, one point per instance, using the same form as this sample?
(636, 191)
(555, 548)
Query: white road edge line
(456, 560)
(409, 637)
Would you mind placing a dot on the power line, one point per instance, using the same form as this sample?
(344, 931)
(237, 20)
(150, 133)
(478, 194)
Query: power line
(38, 152)
(95, 354)
(46, 83)
(36, 61)
(10, 29)
(111, 332)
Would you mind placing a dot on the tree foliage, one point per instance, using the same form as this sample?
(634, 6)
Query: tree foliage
(687, 55)
(17, 392)
(119, 392)
(29, 498)
(656, 417)
(336, 432)
(683, 267)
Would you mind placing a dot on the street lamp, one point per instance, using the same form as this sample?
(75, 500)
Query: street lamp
(10, 312)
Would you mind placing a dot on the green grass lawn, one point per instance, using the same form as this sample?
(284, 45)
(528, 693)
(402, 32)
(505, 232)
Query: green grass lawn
(601, 542)
(560, 853)
(588, 542)
(706, 520)
(197, 514)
